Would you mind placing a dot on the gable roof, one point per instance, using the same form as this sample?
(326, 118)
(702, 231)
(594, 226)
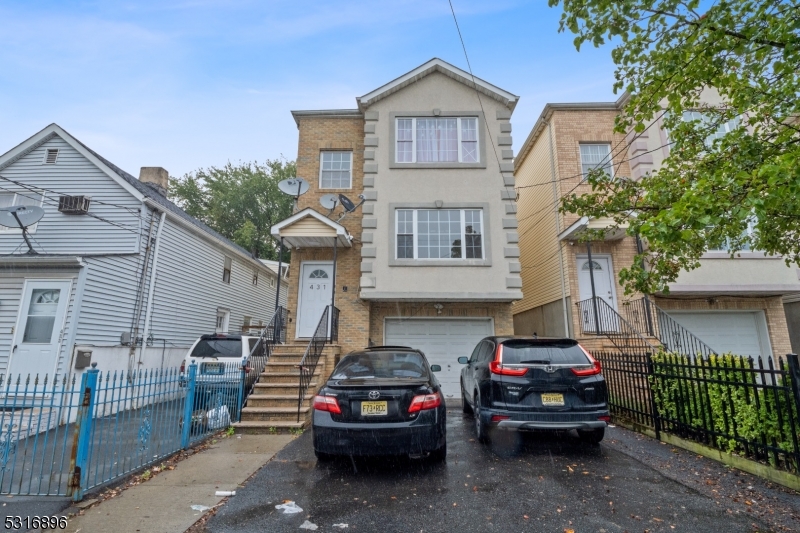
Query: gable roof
(437, 65)
(339, 231)
(141, 191)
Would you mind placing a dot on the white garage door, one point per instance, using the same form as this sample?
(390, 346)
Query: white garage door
(741, 333)
(442, 340)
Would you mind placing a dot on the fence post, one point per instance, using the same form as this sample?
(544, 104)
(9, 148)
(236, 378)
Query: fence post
(653, 407)
(83, 434)
(240, 399)
(794, 377)
(188, 407)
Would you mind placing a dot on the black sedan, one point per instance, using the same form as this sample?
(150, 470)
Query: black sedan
(380, 401)
(528, 383)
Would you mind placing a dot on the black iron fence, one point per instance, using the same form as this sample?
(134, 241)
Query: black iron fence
(327, 331)
(274, 333)
(732, 403)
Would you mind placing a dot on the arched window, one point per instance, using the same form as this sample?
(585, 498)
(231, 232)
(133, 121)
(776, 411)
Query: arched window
(595, 266)
(318, 274)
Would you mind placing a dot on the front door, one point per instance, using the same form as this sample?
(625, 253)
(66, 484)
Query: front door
(40, 328)
(603, 288)
(316, 286)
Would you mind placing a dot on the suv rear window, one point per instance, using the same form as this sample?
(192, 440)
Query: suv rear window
(550, 353)
(381, 365)
(218, 348)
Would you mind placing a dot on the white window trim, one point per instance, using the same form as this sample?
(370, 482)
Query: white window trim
(349, 187)
(31, 228)
(598, 165)
(414, 140)
(415, 236)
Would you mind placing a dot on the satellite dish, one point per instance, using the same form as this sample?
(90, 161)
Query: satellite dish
(329, 201)
(20, 216)
(347, 203)
(293, 186)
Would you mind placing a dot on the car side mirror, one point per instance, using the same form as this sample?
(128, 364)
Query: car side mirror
(463, 360)
(436, 368)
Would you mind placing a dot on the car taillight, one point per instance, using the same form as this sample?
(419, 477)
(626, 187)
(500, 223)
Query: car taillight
(604, 418)
(496, 366)
(327, 403)
(498, 418)
(595, 368)
(425, 401)
(247, 368)
(183, 366)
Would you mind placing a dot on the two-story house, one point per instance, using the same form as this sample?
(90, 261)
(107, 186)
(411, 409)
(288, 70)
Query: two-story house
(731, 304)
(430, 260)
(115, 272)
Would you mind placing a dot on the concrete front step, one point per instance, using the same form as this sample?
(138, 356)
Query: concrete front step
(285, 377)
(257, 427)
(301, 347)
(276, 400)
(280, 388)
(293, 358)
(276, 414)
(280, 366)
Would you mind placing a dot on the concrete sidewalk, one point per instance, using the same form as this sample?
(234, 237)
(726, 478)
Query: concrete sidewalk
(163, 504)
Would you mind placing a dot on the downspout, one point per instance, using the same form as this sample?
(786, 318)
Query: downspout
(151, 289)
(137, 308)
(558, 232)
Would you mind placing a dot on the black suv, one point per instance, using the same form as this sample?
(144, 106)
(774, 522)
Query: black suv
(530, 383)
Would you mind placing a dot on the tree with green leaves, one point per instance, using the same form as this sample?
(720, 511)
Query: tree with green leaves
(241, 202)
(733, 174)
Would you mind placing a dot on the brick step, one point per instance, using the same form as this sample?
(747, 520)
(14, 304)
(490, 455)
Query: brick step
(279, 366)
(276, 400)
(276, 414)
(257, 427)
(286, 358)
(285, 377)
(280, 388)
(302, 347)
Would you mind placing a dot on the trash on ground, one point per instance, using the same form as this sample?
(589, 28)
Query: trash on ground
(341, 526)
(308, 525)
(225, 493)
(289, 508)
(219, 418)
(200, 508)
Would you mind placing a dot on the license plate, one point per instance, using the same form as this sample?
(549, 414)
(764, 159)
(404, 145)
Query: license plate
(213, 368)
(374, 408)
(552, 398)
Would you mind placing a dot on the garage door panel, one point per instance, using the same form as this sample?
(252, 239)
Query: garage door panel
(735, 332)
(442, 341)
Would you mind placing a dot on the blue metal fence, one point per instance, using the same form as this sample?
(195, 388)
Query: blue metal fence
(62, 436)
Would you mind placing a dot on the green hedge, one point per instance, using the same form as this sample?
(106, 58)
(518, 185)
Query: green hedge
(719, 394)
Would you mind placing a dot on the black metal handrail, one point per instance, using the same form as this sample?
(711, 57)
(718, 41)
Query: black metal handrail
(327, 331)
(274, 333)
(597, 317)
(649, 319)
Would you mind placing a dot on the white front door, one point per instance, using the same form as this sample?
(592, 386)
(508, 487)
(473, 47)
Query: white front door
(603, 288)
(40, 328)
(442, 340)
(316, 286)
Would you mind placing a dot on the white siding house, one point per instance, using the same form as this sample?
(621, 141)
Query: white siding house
(133, 263)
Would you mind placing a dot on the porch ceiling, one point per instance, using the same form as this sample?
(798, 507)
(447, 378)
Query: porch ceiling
(310, 229)
(585, 224)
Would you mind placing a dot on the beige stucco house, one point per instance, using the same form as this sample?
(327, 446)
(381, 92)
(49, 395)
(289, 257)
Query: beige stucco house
(430, 260)
(731, 304)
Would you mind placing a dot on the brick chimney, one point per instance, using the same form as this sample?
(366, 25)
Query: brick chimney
(156, 177)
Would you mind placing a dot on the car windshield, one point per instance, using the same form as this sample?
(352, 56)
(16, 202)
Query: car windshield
(555, 353)
(218, 348)
(381, 365)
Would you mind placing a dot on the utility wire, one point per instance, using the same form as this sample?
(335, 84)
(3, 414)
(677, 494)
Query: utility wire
(480, 100)
(132, 210)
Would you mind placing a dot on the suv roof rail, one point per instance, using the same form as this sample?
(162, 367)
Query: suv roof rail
(388, 347)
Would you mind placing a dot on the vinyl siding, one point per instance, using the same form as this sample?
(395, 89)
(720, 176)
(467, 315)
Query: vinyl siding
(72, 175)
(538, 243)
(308, 227)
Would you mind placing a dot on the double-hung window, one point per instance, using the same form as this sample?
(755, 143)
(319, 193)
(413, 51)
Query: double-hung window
(8, 199)
(726, 246)
(596, 156)
(437, 140)
(705, 121)
(439, 234)
(336, 170)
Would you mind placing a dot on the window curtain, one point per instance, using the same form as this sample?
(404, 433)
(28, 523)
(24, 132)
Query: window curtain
(437, 140)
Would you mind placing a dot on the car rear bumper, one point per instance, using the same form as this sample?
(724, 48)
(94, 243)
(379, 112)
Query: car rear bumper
(531, 421)
(417, 437)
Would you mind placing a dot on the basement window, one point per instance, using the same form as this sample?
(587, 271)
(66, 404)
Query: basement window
(51, 156)
(226, 272)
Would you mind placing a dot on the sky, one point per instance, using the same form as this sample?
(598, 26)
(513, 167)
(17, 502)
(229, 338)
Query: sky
(188, 84)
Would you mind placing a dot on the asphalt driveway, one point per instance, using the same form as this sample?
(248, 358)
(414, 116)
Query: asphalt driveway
(542, 483)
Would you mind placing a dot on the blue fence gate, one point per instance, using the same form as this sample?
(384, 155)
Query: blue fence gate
(64, 435)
